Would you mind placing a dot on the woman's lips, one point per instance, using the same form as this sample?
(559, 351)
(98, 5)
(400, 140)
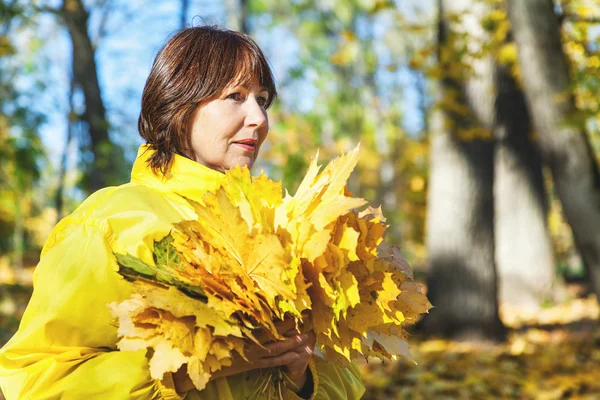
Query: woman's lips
(248, 145)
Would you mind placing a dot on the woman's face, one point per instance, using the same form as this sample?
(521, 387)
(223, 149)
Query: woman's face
(229, 130)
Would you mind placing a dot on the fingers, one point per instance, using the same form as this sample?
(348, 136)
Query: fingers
(309, 350)
(296, 370)
(277, 361)
(285, 326)
(291, 333)
(275, 348)
(293, 353)
(312, 338)
(283, 346)
(305, 350)
(308, 345)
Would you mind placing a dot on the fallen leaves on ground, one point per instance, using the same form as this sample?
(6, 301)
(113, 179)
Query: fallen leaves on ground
(551, 354)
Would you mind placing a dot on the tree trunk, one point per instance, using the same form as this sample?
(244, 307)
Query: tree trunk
(460, 217)
(63, 167)
(561, 136)
(524, 257)
(106, 158)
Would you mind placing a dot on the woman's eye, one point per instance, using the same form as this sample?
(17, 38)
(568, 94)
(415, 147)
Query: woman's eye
(237, 96)
(262, 101)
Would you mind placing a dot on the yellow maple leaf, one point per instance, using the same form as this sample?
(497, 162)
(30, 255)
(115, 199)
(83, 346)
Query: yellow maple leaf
(166, 358)
(389, 345)
(372, 214)
(310, 214)
(348, 294)
(349, 242)
(228, 247)
(255, 197)
(393, 256)
(412, 302)
(180, 330)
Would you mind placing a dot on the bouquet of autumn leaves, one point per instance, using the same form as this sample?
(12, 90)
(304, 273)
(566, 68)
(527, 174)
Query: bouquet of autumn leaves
(253, 258)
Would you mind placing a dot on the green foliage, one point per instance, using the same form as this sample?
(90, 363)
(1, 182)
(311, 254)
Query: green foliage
(166, 262)
(130, 266)
(21, 150)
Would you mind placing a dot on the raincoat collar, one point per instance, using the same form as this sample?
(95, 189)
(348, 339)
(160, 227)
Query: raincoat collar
(187, 178)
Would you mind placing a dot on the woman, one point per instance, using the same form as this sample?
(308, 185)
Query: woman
(204, 110)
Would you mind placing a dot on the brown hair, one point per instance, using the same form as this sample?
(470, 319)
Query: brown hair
(193, 68)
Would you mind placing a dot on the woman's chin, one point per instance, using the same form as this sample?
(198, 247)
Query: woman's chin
(242, 162)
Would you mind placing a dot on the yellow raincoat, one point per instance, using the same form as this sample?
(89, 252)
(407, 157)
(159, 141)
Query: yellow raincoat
(65, 347)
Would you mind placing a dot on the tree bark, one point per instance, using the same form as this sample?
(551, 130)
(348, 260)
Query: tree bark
(524, 256)
(106, 158)
(460, 218)
(561, 136)
(63, 167)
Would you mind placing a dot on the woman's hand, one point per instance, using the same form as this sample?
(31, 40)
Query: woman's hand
(278, 353)
(291, 353)
(297, 369)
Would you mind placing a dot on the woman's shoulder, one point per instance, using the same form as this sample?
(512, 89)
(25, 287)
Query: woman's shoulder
(114, 201)
(115, 210)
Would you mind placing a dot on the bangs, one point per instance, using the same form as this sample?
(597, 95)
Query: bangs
(252, 71)
(244, 64)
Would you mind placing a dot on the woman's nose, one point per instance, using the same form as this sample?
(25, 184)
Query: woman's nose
(255, 114)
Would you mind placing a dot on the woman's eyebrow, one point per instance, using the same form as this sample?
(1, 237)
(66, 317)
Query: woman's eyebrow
(261, 89)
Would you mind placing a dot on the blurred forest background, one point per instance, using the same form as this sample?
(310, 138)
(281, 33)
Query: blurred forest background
(479, 125)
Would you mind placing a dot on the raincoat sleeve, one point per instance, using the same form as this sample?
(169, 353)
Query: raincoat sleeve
(65, 347)
(332, 382)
